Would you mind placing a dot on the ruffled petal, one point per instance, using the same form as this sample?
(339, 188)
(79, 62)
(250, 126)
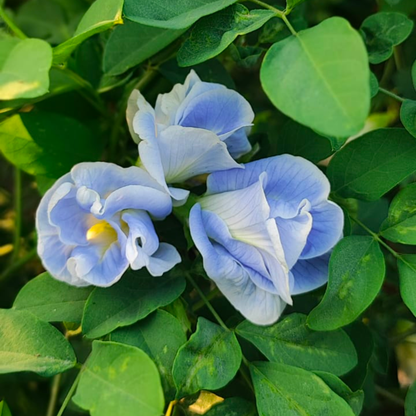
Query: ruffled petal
(132, 109)
(164, 259)
(237, 143)
(310, 274)
(327, 226)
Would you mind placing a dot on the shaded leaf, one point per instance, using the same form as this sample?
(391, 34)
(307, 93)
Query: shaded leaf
(407, 273)
(4, 409)
(234, 406)
(356, 274)
(373, 85)
(119, 379)
(408, 116)
(332, 78)
(134, 297)
(29, 344)
(410, 402)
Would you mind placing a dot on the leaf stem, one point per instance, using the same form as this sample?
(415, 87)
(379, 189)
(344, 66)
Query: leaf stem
(393, 398)
(288, 24)
(18, 213)
(170, 407)
(9, 22)
(70, 393)
(392, 94)
(54, 395)
(278, 12)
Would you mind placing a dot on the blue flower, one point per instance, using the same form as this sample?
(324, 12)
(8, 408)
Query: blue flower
(196, 128)
(265, 233)
(94, 222)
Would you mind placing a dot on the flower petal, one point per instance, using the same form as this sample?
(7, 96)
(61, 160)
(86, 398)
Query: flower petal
(237, 143)
(164, 259)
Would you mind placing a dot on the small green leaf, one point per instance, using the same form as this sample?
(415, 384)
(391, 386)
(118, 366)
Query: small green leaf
(291, 342)
(123, 51)
(407, 273)
(212, 34)
(102, 15)
(24, 68)
(371, 165)
(408, 116)
(119, 380)
(410, 402)
(356, 274)
(234, 406)
(400, 225)
(354, 399)
(208, 361)
(52, 300)
(134, 297)
(374, 86)
(29, 344)
(382, 31)
(29, 141)
(323, 85)
(4, 409)
(294, 391)
(178, 15)
(159, 335)
(245, 56)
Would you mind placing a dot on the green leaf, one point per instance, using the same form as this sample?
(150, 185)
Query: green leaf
(24, 68)
(414, 74)
(382, 31)
(400, 225)
(374, 86)
(245, 56)
(178, 309)
(212, 34)
(29, 344)
(294, 391)
(52, 300)
(324, 85)
(159, 335)
(371, 165)
(134, 297)
(102, 15)
(356, 274)
(119, 380)
(408, 116)
(299, 140)
(290, 4)
(410, 402)
(234, 406)
(122, 51)
(407, 273)
(291, 342)
(208, 361)
(4, 409)
(29, 141)
(178, 15)
(354, 399)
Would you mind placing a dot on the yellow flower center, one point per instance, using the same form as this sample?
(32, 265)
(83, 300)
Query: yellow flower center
(102, 233)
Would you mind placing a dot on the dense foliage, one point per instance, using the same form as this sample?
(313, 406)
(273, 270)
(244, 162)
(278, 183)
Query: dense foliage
(331, 81)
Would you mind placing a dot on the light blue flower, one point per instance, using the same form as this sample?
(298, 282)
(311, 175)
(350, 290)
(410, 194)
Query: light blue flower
(196, 128)
(265, 233)
(94, 222)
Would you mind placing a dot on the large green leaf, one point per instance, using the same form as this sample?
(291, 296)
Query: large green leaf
(382, 31)
(24, 68)
(291, 342)
(410, 403)
(400, 225)
(407, 273)
(29, 344)
(47, 144)
(320, 78)
(4, 409)
(234, 406)
(208, 361)
(356, 273)
(102, 15)
(354, 399)
(293, 391)
(119, 380)
(371, 165)
(172, 15)
(408, 116)
(134, 297)
(52, 300)
(212, 34)
(159, 335)
(132, 43)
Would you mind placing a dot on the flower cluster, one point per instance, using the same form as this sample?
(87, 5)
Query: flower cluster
(264, 229)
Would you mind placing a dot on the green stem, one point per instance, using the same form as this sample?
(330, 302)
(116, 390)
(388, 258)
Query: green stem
(288, 24)
(54, 395)
(391, 94)
(278, 12)
(18, 213)
(17, 264)
(70, 394)
(9, 22)
(385, 393)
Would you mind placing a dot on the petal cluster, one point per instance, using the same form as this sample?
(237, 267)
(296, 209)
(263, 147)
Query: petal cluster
(265, 233)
